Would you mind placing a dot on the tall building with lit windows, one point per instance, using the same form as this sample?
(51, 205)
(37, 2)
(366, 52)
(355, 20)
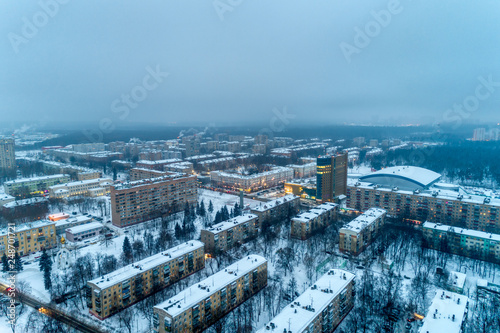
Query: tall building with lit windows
(7, 157)
(331, 176)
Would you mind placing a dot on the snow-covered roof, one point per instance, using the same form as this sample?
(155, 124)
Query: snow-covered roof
(27, 226)
(467, 232)
(172, 160)
(73, 219)
(315, 212)
(275, 170)
(191, 296)
(298, 315)
(231, 223)
(85, 227)
(23, 202)
(172, 175)
(364, 220)
(263, 206)
(101, 181)
(444, 306)
(33, 179)
(129, 271)
(409, 174)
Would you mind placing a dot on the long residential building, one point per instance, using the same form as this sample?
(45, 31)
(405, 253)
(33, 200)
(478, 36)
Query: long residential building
(91, 187)
(29, 237)
(199, 306)
(112, 292)
(34, 184)
(139, 201)
(143, 173)
(464, 242)
(306, 224)
(320, 309)
(277, 209)
(440, 206)
(156, 165)
(235, 181)
(224, 235)
(360, 232)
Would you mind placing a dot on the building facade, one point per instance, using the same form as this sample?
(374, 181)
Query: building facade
(307, 223)
(90, 187)
(143, 173)
(333, 296)
(225, 235)
(7, 155)
(471, 212)
(331, 177)
(276, 210)
(464, 242)
(199, 306)
(112, 292)
(84, 231)
(360, 232)
(30, 238)
(35, 184)
(234, 181)
(143, 200)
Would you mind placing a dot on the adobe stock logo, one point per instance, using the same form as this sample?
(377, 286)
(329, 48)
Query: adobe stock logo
(471, 103)
(373, 28)
(223, 6)
(30, 28)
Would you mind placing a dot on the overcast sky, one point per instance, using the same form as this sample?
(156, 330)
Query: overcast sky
(234, 61)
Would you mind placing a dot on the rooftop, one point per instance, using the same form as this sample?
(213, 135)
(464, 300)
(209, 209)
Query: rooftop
(172, 160)
(24, 202)
(201, 290)
(263, 206)
(445, 314)
(172, 175)
(85, 227)
(298, 315)
(419, 176)
(41, 178)
(73, 219)
(225, 225)
(27, 226)
(129, 271)
(105, 181)
(254, 176)
(315, 212)
(467, 232)
(365, 219)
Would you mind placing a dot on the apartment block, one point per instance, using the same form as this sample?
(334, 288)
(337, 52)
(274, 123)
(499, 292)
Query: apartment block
(199, 306)
(7, 155)
(34, 184)
(156, 165)
(224, 235)
(464, 242)
(91, 187)
(303, 170)
(439, 206)
(306, 224)
(112, 292)
(29, 237)
(447, 313)
(360, 232)
(143, 200)
(276, 210)
(320, 309)
(143, 173)
(236, 181)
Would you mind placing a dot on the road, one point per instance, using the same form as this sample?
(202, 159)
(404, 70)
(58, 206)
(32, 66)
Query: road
(53, 312)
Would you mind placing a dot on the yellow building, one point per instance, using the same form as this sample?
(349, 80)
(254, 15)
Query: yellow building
(199, 306)
(112, 292)
(355, 236)
(29, 238)
(306, 224)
